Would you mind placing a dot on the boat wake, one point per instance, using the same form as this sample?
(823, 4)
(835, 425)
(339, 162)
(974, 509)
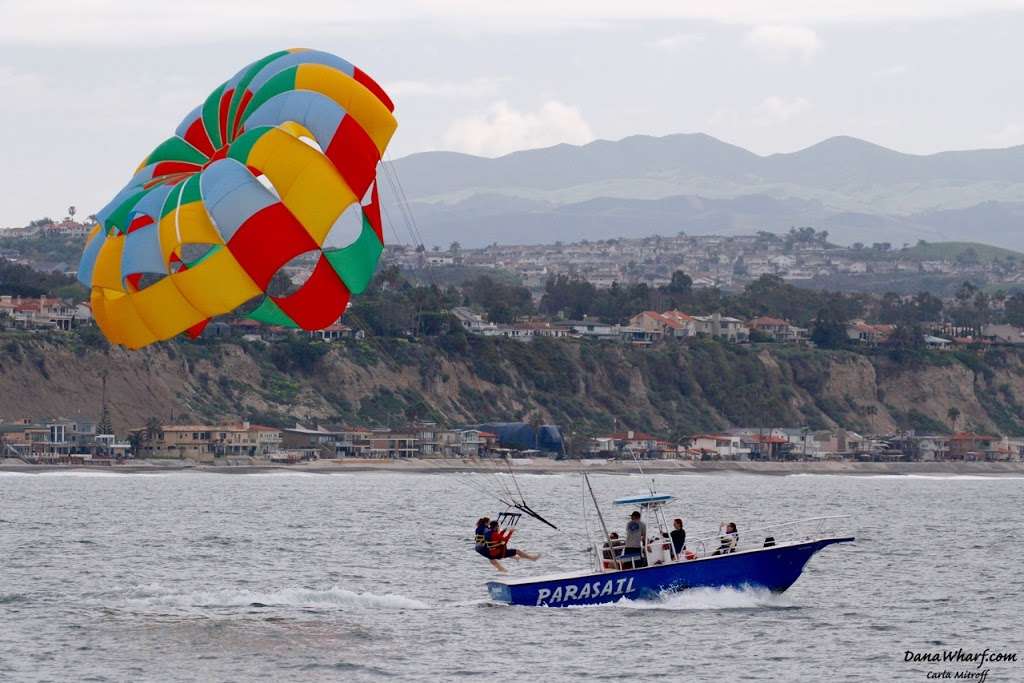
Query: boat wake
(331, 598)
(712, 599)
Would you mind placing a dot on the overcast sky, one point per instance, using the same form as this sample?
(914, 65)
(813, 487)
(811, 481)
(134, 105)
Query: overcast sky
(90, 86)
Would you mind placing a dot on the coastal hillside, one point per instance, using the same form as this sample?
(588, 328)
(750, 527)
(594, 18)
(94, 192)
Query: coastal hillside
(674, 389)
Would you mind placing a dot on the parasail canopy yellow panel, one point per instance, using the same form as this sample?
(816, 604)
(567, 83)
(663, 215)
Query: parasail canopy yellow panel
(254, 177)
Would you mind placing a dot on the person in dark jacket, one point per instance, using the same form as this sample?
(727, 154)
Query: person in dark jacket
(480, 537)
(678, 537)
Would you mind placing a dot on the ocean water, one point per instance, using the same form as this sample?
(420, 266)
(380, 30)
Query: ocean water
(295, 576)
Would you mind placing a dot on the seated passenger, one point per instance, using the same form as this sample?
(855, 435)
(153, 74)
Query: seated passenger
(497, 547)
(678, 538)
(658, 548)
(611, 551)
(729, 540)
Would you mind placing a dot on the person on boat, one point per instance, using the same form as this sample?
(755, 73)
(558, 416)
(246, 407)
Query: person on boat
(496, 540)
(611, 551)
(729, 540)
(658, 548)
(636, 532)
(678, 537)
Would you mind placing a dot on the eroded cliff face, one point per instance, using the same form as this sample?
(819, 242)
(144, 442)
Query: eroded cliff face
(671, 389)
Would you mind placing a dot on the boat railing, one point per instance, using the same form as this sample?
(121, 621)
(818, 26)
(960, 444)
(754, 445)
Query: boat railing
(750, 538)
(765, 535)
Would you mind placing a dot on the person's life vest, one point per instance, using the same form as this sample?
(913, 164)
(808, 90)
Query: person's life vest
(496, 542)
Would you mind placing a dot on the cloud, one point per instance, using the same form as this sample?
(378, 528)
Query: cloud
(1010, 135)
(677, 42)
(129, 22)
(775, 110)
(894, 71)
(477, 87)
(784, 42)
(504, 129)
(21, 89)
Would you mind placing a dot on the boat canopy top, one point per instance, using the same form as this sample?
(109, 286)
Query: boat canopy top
(645, 500)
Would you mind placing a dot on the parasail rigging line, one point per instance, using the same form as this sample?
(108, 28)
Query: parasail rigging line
(391, 224)
(409, 221)
(521, 503)
(404, 197)
(501, 492)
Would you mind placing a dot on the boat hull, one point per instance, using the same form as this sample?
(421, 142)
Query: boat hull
(775, 569)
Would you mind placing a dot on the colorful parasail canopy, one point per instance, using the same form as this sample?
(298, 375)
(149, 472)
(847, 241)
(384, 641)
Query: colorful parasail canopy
(253, 178)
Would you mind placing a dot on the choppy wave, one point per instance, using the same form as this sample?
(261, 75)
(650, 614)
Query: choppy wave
(155, 596)
(713, 599)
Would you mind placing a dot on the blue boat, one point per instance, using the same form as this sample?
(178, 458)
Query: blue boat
(774, 560)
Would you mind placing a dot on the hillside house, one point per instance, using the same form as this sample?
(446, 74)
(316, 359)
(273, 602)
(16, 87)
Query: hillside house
(336, 331)
(722, 326)
(868, 334)
(42, 312)
(472, 322)
(779, 330)
(388, 444)
(722, 446)
(1003, 334)
(973, 446)
(202, 442)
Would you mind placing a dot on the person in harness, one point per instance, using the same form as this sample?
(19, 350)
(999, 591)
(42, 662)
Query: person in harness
(496, 543)
(480, 536)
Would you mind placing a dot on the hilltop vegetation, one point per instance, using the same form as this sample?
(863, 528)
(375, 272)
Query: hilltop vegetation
(20, 280)
(952, 251)
(44, 251)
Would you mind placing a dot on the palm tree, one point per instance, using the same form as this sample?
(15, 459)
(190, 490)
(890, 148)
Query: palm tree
(954, 415)
(152, 429)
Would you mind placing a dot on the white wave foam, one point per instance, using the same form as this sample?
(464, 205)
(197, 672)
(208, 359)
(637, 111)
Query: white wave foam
(153, 596)
(711, 598)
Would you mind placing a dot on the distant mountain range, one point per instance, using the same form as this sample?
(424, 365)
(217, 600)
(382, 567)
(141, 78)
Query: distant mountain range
(641, 185)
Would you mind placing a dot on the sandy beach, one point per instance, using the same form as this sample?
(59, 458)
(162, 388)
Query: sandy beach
(548, 466)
